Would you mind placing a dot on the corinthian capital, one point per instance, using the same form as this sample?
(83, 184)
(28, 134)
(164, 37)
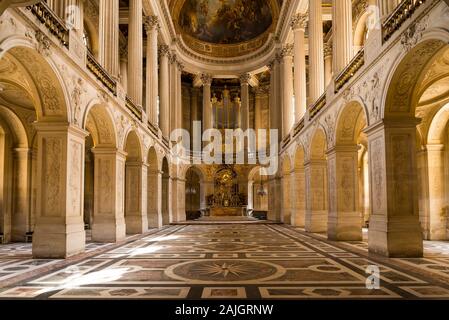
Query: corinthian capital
(299, 21)
(245, 78)
(287, 50)
(206, 79)
(164, 50)
(151, 23)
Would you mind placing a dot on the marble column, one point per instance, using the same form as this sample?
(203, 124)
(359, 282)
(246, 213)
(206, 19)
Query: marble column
(244, 109)
(328, 72)
(288, 112)
(259, 92)
(342, 30)
(109, 36)
(20, 219)
(193, 105)
(316, 57)
(59, 227)
(173, 67)
(109, 195)
(154, 199)
(298, 24)
(164, 91)
(152, 78)
(124, 67)
(345, 218)
(136, 197)
(179, 118)
(394, 229)
(135, 52)
(207, 105)
(275, 97)
(316, 196)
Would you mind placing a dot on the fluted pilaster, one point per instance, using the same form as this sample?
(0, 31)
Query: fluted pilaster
(135, 52)
(152, 78)
(299, 23)
(164, 92)
(316, 69)
(244, 110)
(109, 36)
(343, 43)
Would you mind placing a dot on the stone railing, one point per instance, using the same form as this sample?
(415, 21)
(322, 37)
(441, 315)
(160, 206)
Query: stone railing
(298, 127)
(286, 141)
(153, 128)
(135, 110)
(100, 73)
(54, 24)
(351, 69)
(317, 106)
(399, 16)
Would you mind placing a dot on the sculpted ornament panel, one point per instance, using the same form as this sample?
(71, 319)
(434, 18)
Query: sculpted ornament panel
(377, 154)
(75, 178)
(52, 176)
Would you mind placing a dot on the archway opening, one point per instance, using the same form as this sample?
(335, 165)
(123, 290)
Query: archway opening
(316, 184)
(193, 194)
(258, 193)
(135, 207)
(166, 219)
(286, 191)
(348, 170)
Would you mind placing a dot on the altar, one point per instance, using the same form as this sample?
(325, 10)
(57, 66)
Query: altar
(227, 212)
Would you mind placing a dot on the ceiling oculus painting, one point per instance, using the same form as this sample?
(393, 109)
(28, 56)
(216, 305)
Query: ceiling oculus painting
(225, 21)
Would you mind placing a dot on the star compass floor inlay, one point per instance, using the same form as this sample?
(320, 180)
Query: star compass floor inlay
(229, 261)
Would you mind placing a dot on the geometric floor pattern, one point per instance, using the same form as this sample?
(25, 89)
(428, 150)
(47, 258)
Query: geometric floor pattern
(233, 261)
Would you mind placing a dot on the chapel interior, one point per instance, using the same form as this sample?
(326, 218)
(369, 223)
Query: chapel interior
(97, 201)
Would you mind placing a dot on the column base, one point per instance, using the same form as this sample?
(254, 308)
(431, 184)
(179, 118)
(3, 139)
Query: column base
(136, 224)
(345, 226)
(298, 219)
(155, 220)
(58, 242)
(316, 221)
(398, 237)
(108, 231)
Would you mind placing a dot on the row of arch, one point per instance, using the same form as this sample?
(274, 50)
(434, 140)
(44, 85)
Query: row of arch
(384, 167)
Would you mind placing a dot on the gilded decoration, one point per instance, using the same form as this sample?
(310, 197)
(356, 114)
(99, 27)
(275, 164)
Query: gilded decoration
(225, 28)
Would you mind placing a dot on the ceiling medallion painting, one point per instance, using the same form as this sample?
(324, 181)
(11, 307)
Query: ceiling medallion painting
(225, 28)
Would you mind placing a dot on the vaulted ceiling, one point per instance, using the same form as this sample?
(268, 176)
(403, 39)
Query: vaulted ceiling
(225, 28)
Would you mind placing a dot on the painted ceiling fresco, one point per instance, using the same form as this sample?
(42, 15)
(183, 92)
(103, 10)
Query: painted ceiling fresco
(225, 21)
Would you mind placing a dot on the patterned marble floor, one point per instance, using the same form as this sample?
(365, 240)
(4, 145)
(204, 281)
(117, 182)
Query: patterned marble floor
(253, 261)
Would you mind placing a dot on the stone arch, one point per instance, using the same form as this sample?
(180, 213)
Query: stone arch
(402, 93)
(99, 122)
(316, 183)
(351, 120)
(298, 187)
(393, 159)
(15, 162)
(33, 91)
(44, 83)
(345, 216)
(257, 180)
